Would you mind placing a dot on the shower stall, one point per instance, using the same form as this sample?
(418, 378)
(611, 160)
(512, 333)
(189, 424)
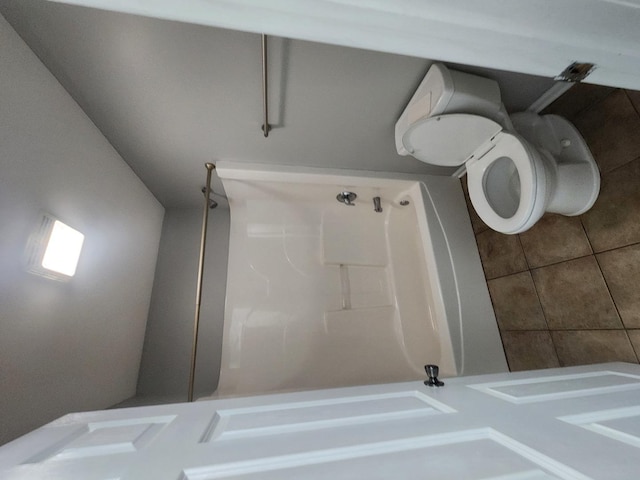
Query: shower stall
(340, 277)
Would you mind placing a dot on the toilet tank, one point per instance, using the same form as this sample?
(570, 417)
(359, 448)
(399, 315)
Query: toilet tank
(444, 91)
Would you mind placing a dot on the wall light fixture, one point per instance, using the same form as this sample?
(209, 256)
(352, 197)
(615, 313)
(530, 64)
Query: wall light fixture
(54, 250)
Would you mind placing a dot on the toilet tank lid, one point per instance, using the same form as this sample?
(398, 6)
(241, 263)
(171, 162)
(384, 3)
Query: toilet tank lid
(448, 140)
(430, 98)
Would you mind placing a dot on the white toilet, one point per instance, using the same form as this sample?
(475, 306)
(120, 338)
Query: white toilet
(517, 167)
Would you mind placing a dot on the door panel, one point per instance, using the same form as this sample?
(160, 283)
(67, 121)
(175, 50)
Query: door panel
(560, 386)
(622, 424)
(487, 454)
(318, 414)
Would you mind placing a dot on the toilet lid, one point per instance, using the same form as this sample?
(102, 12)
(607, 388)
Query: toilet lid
(448, 140)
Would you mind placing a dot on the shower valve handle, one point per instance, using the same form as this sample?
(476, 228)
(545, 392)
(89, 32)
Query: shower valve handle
(432, 373)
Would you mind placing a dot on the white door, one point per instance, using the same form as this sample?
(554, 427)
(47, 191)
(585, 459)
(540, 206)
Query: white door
(573, 423)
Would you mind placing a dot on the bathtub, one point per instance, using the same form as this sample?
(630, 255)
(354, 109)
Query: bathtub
(321, 294)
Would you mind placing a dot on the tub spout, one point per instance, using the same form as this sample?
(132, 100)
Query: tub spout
(376, 204)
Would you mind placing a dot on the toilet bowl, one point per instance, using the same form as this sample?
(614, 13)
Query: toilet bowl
(517, 167)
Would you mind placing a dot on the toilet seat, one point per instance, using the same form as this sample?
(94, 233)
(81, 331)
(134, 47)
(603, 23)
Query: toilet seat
(478, 143)
(490, 183)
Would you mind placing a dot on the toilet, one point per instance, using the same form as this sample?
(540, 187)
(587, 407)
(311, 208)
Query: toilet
(518, 167)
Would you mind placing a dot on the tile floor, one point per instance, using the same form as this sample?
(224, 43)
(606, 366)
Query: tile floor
(567, 292)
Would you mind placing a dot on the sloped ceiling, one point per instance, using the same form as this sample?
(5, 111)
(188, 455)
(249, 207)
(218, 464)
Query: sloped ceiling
(171, 96)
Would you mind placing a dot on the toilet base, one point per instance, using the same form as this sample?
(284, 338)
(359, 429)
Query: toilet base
(573, 178)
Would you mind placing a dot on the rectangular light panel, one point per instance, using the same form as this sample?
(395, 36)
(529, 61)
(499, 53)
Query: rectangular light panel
(63, 249)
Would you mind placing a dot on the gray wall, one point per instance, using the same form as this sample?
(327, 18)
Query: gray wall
(66, 346)
(167, 349)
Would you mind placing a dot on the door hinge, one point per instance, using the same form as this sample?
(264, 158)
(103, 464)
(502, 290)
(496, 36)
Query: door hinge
(576, 72)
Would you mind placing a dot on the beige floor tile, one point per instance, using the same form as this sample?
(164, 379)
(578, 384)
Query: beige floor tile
(579, 97)
(529, 350)
(634, 96)
(585, 347)
(476, 222)
(621, 269)
(634, 336)
(500, 254)
(614, 220)
(574, 295)
(516, 303)
(555, 238)
(611, 128)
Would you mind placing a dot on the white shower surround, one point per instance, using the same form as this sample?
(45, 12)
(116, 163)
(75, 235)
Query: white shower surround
(320, 294)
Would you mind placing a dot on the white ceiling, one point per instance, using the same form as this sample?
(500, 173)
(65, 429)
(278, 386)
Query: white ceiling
(171, 96)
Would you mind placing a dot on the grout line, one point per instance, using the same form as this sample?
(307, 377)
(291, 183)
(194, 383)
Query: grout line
(561, 261)
(606, 284)
(593, 252)
(586, 234)
(524, 254)
(590, 106)
(617, 248)
(544, 315)
(618, 167)
(581, 217)
(605, 329)
(637, 354)
(506, 357)
(632, 347)
(571, 259)
(615, 305)
(526, 330)
(535, 289)
(633, 105)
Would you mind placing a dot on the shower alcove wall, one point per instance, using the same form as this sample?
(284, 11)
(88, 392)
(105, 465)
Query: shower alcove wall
(322, 294)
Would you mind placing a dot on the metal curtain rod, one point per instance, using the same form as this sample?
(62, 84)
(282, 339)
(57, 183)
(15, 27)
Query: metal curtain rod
(203, 245)
(265, 126)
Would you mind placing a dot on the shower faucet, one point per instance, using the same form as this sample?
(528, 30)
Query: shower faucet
(376, 205)
(347, 198)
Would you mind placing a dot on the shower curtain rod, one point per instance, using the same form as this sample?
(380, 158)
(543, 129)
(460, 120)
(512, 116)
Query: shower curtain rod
(265, 126)
(203, 244)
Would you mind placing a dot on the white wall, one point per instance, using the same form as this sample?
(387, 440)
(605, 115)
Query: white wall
(66, 346)
(167, 349)
(514, 36)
